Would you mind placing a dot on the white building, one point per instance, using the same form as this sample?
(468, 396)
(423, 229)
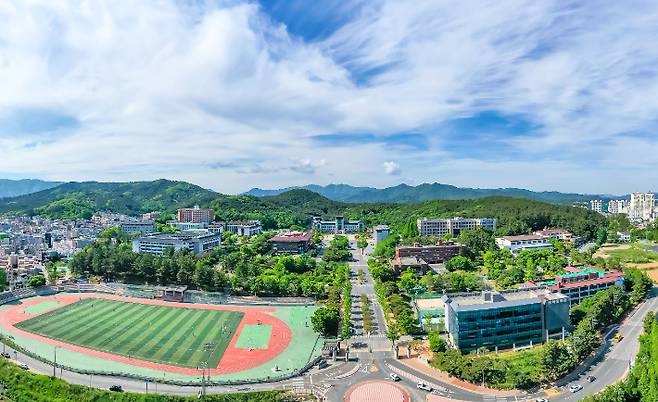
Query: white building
(188, 225)
(642, 207)
(524, 242)
(596, 206)
(556, 233)
(339, 225)
(380, 233)
(624, 237)
(440, 227)
(619, 206)
(243, 228)
(197, 241)
(143, 227)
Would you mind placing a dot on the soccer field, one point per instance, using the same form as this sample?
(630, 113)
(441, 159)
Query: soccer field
(178, 336)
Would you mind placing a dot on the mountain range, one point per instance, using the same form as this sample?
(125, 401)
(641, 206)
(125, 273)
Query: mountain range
(13, 188)
(404, 193)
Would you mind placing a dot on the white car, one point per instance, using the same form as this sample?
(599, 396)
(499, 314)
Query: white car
(23, 366)
(575, 387)
(394, 377)
(423, 386)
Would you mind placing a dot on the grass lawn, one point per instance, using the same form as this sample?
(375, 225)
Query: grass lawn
(635, 255)
(163, 334)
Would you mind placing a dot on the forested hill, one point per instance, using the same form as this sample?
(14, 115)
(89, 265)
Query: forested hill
(77, 200)
(292, 208)
(404, 193)
(13, 188)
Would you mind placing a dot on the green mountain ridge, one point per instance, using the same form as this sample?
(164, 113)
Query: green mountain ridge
(292, 208)
(14, 188)
(404, 193)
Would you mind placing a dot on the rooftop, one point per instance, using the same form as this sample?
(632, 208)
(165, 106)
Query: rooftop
(292, 237)
(522, 238)
(493, 299)
(183, 235)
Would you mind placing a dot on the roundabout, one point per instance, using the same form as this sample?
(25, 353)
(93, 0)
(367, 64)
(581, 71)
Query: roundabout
(376, 391)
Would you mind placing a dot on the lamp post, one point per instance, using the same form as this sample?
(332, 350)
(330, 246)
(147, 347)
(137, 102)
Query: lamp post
(55, 362)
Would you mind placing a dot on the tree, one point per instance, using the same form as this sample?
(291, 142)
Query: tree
(3, 280)
(437, 343)
(393, 333)
(555, 360)
(36, 281)
(408, 281)
(477, 242)
(362, 243)
(459, 263)
(325, 321)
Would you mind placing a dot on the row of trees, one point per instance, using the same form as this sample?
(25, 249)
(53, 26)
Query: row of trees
(337, 250)
(337, 306)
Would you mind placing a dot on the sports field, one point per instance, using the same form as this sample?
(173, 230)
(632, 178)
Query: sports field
(178, 336)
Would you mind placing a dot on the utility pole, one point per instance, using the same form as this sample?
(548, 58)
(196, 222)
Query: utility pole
(55, 363)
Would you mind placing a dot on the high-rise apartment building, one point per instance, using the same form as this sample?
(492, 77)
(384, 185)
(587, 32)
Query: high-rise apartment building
(454, 226)
(619, 206)
(596, 205)
(642, 206)
(195, 215)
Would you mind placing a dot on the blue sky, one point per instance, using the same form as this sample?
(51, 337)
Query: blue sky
(545, 95)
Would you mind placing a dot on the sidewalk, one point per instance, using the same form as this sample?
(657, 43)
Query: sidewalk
(446, 378)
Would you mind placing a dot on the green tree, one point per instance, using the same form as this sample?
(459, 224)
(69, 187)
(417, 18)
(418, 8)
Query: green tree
(460, 263)
(437, 343)
(36, 281)
(325, 321)
(477, 242)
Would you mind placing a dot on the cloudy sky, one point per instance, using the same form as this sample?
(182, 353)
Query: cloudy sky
(546, 95)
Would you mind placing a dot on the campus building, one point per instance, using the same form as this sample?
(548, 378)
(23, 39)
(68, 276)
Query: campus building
(524, 242)
(188, 225)
(195, 215)
(243, 228)
(143, 227)
(380, 233)
(504, 320)
(420, 257)
(197, 241)
(338, 225)
(453, 226)
(556, 233)
(581, 282)
(291, 242)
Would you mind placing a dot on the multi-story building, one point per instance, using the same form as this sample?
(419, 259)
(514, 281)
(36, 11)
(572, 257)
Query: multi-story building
(596, 206)
(619, 206)
(195, 215)
(188, 225)
(504, 320)
(454, 226)
(524, 242)
(143, 227)
(557, 234)
(197, 241)
(151, 216)
(624, 237)
(581, 282)
(380, 233)
(291, 242)
(419, 257)
(642, 207)
(338, 225)
(244, 228)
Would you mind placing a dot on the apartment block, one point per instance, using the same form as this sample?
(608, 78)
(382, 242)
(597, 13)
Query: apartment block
(338, 225)
(619, 206)
(642, 207)
(195, 215)
(596, 206)
(454, 226)
(504, 320)
(197, 241)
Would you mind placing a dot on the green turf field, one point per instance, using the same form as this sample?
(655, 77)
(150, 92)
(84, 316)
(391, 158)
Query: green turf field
(164, 334)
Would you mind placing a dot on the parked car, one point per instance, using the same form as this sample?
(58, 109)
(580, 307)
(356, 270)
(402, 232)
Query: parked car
(590, 378)
(24, 366)
(322, 364)
(6, 354)
(394, 377)
(541, 400)
(575, 388)
(424, 387)
(116, 388)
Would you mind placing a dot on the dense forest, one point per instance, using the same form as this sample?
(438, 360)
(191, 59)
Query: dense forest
(292, 208)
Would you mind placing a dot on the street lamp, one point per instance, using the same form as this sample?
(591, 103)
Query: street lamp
(55, 362)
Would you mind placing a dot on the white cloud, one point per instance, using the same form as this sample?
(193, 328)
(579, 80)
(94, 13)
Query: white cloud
(392, 168)
(221, 95)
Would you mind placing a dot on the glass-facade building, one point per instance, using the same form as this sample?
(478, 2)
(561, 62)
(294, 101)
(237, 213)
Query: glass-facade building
(504, 320)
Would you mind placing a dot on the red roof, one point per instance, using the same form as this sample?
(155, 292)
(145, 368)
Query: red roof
(609, 278)
(292, 237)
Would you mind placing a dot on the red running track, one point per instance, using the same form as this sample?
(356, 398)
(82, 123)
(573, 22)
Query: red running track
(234, 359)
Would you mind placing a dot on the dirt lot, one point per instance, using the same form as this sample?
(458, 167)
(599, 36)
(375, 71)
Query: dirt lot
(602, 252)
(653, 274)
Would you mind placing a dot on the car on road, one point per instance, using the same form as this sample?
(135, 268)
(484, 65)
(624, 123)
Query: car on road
(590, 378)
(394, 377)
(424, 387)
(575, 388)
(24, 366)
(116, 388)
(6, 355)
(541, 400)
